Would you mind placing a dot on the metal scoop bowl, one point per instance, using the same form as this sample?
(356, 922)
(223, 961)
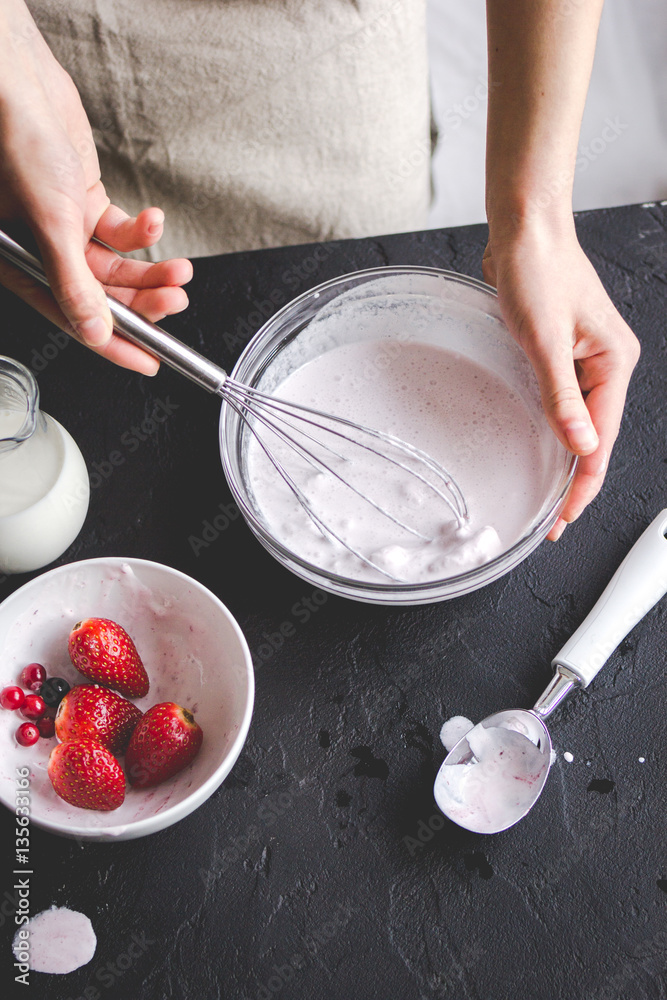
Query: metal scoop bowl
(636, 586)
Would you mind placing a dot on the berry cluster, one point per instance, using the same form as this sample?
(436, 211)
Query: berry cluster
(38, 707)
(93, 724)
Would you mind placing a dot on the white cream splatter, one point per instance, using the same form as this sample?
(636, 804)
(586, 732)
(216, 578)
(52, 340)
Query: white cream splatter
(58, 941)
(453, 730)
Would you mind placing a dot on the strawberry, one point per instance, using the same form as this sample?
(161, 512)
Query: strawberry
(165, 740)
(85, 774)
(96, 713)
(103, 652)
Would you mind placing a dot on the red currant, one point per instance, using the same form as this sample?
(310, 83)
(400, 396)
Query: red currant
(33, 676)
(12, 697)
(33, 707)
(27, 734)
(47, 727)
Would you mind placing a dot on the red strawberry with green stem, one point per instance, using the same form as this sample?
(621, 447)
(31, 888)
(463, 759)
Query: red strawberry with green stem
(85, 774)
(103, 652)
(165, 740)
(89, 711)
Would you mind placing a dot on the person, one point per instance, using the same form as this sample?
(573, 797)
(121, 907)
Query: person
(303, 174)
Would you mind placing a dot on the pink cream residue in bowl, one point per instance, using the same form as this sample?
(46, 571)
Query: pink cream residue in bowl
(194, 654)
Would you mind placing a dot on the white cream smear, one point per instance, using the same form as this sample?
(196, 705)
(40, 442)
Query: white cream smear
(58, 941)
(453, 730)
(494, 789)
(461, 414)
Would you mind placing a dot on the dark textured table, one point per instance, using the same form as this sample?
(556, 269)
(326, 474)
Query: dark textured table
(322, 868)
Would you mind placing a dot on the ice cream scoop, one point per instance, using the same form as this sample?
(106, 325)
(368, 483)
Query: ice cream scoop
(495, 773)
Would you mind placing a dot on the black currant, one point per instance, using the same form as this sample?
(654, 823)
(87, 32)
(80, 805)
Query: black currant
(53, 690)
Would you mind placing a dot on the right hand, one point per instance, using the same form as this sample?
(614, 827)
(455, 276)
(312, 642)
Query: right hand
(50, 179)
(581, 348)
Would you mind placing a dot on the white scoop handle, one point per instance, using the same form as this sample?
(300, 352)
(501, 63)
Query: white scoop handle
(638, 583)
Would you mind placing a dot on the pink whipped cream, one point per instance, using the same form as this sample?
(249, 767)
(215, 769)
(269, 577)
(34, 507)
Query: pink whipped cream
(461, 414)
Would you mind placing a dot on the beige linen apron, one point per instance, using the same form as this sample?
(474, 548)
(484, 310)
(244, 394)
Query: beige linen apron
(254, 123)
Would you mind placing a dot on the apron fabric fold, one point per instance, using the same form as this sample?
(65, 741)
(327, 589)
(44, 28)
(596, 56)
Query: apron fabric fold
(254, 123)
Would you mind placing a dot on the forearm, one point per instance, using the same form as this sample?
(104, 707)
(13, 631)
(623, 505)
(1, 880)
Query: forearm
(540, 59)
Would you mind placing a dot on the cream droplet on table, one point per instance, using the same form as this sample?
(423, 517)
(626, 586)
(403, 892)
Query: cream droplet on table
(58, 941)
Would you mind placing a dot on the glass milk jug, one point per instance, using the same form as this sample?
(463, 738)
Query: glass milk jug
(44, 488)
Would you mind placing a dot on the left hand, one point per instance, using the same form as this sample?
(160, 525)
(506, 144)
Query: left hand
(582, 350)
(50, 181)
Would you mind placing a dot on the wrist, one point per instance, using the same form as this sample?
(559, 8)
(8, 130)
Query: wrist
(20, 46)
(530, 218)
(529, 193)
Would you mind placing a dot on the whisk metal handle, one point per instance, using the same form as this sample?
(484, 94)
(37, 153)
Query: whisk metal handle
(132, 326)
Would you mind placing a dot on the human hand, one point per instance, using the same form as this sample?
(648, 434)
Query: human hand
(582, 350)
(50, 179)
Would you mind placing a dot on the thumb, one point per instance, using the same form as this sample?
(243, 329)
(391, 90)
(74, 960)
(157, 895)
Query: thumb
(562, 400)
(75, 288)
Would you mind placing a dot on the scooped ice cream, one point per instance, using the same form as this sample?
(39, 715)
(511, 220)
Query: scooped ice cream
(489, 792)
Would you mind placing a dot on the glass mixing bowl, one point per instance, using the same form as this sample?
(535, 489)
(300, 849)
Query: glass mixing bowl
(433, 306)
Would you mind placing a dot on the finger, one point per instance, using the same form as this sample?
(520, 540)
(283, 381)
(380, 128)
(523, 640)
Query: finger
(557, 530)
(96, 204)
(126, 355)
(562, 400)
(586, 485)
(605, 403)
(122, 272)
(122, 232)
(153, 303)
(80, 297)
(117, 349)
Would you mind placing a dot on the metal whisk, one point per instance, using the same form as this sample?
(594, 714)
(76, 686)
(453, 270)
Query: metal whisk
(308, 432)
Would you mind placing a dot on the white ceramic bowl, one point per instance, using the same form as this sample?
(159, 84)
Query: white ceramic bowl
(193, 650)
